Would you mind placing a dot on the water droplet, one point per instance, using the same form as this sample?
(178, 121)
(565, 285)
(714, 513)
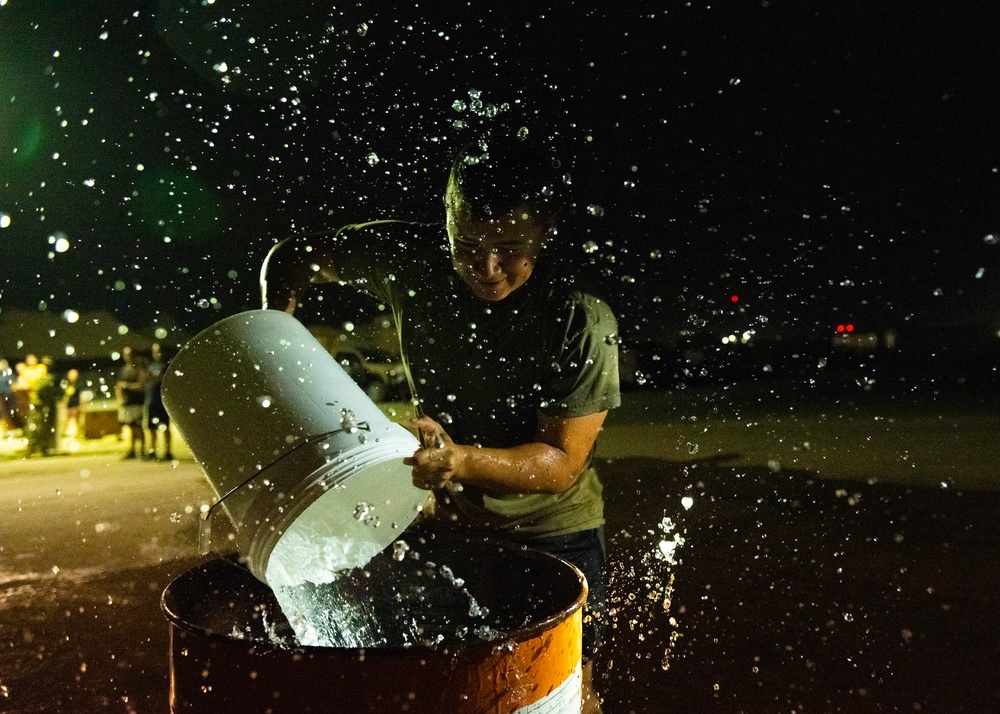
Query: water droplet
(991, 239)
(595, 210)
(348, 422)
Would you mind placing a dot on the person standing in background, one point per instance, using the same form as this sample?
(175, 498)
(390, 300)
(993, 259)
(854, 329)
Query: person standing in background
(72, 405)
(47, 396)
(6, 396)
(130, 393)
(156, 417)
(26, 375)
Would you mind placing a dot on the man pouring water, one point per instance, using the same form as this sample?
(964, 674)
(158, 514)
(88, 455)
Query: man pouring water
(513, 360)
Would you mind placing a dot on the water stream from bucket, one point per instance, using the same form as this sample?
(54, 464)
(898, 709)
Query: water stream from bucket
(395, 600)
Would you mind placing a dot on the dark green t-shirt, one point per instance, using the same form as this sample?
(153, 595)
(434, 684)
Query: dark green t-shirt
(485, 370)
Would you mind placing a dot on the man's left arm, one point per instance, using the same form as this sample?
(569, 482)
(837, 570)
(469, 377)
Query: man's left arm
(550, 464)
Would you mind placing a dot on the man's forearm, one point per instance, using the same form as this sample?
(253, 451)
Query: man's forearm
(529, 468)
(284, 277)
(289, 268)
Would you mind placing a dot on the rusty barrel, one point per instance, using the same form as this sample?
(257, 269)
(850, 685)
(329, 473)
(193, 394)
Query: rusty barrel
(226, 630)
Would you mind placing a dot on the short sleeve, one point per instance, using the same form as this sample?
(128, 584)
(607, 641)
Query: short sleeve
(582, 377)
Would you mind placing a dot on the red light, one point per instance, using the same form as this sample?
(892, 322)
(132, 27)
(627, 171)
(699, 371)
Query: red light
(840, 328)
(850, 328)
(735, 298)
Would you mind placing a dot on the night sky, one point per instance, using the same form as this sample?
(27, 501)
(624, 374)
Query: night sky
(822, 161)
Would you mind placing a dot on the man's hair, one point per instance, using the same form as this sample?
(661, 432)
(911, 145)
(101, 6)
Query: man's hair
(507, 170)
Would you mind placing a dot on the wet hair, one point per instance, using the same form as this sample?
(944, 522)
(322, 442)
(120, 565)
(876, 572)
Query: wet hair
(506, 170)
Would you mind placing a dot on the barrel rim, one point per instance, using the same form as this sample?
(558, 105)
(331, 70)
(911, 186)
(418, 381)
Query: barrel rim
(263, 647)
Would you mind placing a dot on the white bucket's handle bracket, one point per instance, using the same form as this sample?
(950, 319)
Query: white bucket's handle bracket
(205, 525)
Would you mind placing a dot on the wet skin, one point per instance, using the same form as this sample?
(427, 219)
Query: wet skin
(497, 256)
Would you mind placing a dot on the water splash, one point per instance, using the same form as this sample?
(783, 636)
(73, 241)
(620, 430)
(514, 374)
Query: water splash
(641, 593)
(396, 600)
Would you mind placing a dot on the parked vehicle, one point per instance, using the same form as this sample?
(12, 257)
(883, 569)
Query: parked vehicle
(379, 374)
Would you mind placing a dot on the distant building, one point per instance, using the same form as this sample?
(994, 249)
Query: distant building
(66, 336)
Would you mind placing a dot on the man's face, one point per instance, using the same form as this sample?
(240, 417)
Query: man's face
(494, 257)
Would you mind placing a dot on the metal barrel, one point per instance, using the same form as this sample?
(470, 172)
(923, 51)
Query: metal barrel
(224, 658)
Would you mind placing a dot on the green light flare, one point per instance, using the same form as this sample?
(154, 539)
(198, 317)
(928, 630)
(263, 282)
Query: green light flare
(24, 141)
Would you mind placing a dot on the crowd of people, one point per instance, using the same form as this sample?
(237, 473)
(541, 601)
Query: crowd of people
(43, 408)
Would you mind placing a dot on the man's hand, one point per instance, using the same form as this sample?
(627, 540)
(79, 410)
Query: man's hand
(439, 459)
(550, 464)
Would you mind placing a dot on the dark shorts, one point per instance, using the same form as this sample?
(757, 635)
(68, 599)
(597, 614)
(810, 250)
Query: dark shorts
(156, 415)
(587, 551)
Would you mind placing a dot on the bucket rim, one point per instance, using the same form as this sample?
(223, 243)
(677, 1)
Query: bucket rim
(257, 546)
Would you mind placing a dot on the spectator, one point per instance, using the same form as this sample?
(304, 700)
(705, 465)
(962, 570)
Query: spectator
(47, 393)
(157, 419)
(130, 393)
(72, 404)
(6, 396)
(26, 375)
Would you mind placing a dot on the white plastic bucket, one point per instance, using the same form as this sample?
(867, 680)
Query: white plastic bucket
(292, 447)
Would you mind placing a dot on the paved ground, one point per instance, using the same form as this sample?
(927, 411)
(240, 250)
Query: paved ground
(798, 585)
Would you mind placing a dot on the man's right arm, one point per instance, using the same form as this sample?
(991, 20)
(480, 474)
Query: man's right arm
(289, 268)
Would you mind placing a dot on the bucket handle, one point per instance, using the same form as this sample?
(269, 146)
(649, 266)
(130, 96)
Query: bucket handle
(347, 424)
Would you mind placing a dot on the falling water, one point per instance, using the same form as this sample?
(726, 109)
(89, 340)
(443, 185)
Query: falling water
(397, 599)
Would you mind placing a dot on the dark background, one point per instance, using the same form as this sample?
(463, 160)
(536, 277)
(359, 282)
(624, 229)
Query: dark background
(826, 162)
